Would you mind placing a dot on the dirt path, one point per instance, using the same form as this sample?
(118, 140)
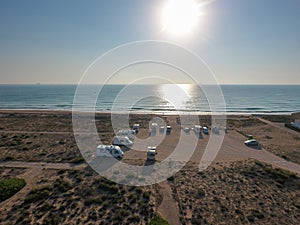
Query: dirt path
(168, 208)
(42, 132)
(43, 165)
(279, 126)
(233, 149)
(30, 176)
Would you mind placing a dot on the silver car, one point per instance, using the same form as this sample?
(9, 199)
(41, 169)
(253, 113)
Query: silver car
(251, 142)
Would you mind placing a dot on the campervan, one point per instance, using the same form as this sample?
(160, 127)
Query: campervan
(161, 129)
(122, 140)
(151, 153)
(197, 129)
(153, 128)
(109, 151)
(168, 129)
(128, 133)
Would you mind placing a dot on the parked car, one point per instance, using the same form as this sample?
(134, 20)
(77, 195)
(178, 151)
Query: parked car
(216, 130)
(136, 127)
(168, 129)
(205, 130)
(250, 137)
(251, 142)
(162, 129)
(186, 130)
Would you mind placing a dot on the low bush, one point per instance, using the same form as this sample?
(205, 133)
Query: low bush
(10, 186)
(158, 220)
(38, 194)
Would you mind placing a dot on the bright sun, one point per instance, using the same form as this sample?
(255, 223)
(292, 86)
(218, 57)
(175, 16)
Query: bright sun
(180, 17)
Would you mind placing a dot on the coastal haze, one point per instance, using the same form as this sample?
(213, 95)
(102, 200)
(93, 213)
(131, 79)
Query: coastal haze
(150, 112)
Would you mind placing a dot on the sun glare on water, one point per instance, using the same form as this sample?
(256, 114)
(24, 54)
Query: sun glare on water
(176, 94)
(180, 17)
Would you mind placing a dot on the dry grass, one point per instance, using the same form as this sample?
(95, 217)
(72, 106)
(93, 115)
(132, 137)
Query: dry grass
(238, 193)
(279, 142)
(82, 197)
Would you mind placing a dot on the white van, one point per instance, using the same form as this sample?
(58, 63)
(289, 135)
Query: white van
(153, 127)
(122, 140)
(169, 128)
(197, 129)
(151, 153)
(109, 151)
(128, 133)
(136, 127)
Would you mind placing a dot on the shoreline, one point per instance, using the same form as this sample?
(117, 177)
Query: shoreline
(68, 111)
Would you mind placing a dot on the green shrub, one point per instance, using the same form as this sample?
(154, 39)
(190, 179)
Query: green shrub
(78, 160)
(158, 220)
(9, 158)
(92, 200)
(62, 186)
(257, 214)
(201, 193)
(146, 195)
(38, 194)
(10, 186)
(171, 178)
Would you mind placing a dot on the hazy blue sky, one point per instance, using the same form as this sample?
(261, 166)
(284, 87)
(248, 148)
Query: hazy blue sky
(243, 41)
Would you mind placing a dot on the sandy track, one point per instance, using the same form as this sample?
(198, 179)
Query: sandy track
(279, 126)
(233, 145)
(168, 207)
(43, 165)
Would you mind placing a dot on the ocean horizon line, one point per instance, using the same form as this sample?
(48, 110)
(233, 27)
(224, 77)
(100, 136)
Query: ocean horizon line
(146, 84)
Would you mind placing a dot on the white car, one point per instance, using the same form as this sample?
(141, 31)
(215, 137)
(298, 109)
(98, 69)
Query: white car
(251, 142)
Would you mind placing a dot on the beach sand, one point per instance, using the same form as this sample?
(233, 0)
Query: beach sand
(240, 186)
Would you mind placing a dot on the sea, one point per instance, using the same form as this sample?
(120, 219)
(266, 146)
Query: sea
(159, 98)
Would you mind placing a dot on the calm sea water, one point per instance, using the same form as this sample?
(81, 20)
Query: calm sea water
(154, 98)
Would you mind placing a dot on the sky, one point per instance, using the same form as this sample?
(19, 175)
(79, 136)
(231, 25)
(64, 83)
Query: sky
(54, 42)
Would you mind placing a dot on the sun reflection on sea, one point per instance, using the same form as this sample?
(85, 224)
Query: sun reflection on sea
(176, 95)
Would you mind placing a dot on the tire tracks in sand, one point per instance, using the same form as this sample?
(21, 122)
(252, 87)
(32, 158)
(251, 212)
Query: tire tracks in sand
(168, 208)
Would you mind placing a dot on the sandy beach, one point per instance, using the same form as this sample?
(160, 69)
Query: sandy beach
(238, 187)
